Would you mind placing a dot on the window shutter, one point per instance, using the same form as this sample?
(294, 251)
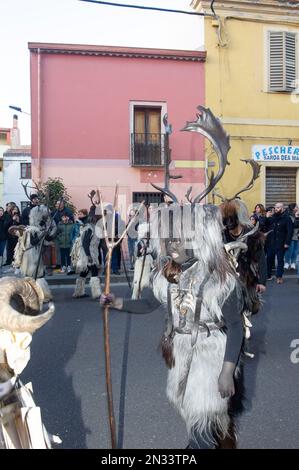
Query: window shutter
(290, 45)
(276, 81)
(282, 60)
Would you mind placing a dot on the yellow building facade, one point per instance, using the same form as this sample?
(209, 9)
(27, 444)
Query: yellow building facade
(252, 85)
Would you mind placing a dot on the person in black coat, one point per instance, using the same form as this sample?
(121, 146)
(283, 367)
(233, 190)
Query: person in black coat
(12, 239)
(280, 228)
(34, 201)
(260, 213)
(4, 222)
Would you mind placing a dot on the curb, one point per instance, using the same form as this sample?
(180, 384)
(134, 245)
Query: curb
(71, 280)
(58, 280)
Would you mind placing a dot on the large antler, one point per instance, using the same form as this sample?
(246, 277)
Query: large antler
(210, 126)
(25, 186)
(188, 194)
(256, 168)
(36, 187)
(91, 195)
(255, 174)
(167, 192)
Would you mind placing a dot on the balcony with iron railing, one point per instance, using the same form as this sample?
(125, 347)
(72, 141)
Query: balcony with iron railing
(148, 150)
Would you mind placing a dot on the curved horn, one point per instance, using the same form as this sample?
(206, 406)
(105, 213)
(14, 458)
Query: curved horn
(28, 298)
(16, 228)
(237, 245)
(233, 250)
(248, 234)
(210, 126)
(188, 193)
(167, 192)
(256, 168)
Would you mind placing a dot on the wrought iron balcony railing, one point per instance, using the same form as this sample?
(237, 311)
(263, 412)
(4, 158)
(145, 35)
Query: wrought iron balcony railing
(148, 149)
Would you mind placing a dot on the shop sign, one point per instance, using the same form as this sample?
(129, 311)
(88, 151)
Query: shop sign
(275, 153)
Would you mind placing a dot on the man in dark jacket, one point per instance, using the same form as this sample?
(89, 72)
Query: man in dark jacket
(60, 210)
(280, 228)
(25, 214)
(4, 224)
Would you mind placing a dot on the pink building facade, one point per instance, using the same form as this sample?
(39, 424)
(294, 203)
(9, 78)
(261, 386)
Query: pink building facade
(97, 119)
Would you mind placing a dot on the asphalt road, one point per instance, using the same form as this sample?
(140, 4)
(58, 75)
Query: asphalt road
(68, 374)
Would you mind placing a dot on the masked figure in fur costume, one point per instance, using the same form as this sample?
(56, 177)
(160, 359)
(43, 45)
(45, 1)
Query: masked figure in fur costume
(245, 244)
(85, 257)
(21, 315)
(201, 293)
(204, 334)
(28, 255)
(144, 261)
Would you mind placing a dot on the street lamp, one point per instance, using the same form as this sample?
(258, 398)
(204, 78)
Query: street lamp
(16, 108)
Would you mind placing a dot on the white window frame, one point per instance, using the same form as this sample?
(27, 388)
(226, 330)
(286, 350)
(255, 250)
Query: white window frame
(25, 177)
(145, 104)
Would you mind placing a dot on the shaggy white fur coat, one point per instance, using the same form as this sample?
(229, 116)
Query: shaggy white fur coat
(26, 256)
(195, 394)
(78, 255)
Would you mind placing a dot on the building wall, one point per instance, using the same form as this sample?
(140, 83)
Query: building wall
(12, 187)
(1, 188)
(4, 145)
(83, 134)
(3, 148)
(236, 89)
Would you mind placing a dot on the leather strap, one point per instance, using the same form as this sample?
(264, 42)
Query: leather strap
(197, 323)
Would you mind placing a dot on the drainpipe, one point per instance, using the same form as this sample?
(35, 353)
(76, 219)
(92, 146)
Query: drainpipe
(38, 119)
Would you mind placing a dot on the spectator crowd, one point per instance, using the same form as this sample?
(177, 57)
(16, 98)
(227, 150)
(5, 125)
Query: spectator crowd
(57, 253)
(280, 225)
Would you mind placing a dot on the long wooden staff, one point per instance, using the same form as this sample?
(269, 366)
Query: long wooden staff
(146, 245)
(110, 245)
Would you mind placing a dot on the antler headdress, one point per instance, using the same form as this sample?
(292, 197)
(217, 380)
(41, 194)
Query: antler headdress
(255, 174)
(209, 126)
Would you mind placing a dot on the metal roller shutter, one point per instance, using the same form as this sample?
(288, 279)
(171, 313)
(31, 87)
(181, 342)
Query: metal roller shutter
(280, 185)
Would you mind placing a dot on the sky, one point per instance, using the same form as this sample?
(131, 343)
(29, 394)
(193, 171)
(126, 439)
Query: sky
(78, 22)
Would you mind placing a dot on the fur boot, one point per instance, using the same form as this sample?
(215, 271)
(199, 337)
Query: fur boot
(230, 440)
(80, 288)
(95, 287)
(45, 288)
